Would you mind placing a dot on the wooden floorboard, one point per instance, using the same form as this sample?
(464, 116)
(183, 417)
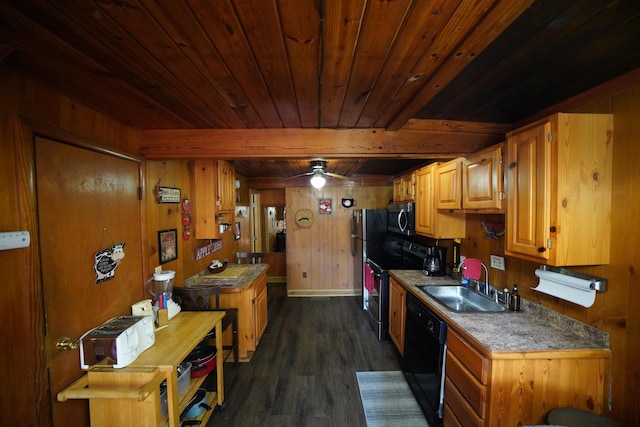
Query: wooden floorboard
(304, 370)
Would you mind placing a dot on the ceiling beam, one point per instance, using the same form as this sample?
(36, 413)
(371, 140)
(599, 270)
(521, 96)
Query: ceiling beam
(420, 139)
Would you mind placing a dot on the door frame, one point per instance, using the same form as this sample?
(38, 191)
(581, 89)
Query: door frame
(34, 365)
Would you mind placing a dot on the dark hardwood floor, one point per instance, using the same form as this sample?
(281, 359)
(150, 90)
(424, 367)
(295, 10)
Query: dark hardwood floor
(304, 370)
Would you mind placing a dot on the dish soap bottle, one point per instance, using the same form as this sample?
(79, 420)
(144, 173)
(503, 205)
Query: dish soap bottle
(514, 303)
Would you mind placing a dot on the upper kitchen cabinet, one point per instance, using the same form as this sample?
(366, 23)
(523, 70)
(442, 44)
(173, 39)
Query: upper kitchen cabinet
(559, 182)
(226, 186)
(483, 180)
(449, 185)
(429, 221)
(472, 184)
(214, 198)
(404, 188)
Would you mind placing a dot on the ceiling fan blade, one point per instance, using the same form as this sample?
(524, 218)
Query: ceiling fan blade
(299, 175)
(335, 175)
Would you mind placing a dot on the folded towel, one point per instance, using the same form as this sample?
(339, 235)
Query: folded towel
(472, 268)
(368, 278)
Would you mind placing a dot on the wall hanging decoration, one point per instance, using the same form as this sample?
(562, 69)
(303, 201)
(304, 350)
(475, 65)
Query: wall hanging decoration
(208, 249)
(167, 195)
(493, 231)
(107, 260)
(325, 206)
(186, 219)
(348, 201)
(168, 245)
(303, 218)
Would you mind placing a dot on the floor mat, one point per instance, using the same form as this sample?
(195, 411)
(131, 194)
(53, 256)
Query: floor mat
(388, 400)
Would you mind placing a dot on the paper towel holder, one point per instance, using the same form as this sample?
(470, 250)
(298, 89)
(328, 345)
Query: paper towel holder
(596, 283)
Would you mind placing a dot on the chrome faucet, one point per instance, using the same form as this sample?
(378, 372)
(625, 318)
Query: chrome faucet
(486, 279)
(505, 294)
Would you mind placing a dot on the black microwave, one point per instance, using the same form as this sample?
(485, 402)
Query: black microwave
(401, 218)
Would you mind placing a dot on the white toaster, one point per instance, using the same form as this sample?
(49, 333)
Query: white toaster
(119, 340)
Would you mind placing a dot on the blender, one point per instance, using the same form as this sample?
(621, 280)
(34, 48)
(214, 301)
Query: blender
(160, 286)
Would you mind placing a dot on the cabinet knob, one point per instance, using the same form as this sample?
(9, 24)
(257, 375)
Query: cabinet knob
(512, 165)
(542, 249)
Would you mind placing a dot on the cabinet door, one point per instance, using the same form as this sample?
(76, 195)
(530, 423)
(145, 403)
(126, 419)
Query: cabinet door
(205, 198)
(483, 180)
(430, 222)
(261, 314)
(409, 187)
(226, 186)
(425, 202)
(397, 190)
(449, 185)
(397, 314)
(528, 191)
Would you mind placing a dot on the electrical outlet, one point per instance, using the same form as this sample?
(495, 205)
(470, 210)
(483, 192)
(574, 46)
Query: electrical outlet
(158, 269)
(497, 262)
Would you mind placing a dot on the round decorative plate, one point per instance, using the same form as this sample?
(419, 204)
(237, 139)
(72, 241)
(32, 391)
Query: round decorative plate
(304, 218)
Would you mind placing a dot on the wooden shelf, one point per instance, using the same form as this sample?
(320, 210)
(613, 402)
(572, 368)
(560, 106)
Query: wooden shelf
(131, 395)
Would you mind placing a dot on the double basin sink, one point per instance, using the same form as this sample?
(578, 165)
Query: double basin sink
(462, 299)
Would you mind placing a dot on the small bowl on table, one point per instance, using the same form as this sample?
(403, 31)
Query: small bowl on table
(216, 270)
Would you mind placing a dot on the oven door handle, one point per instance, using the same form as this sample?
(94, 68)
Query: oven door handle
(378, 275)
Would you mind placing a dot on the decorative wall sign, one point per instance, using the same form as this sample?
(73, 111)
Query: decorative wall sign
(325, 206)
(168, 245)
(106, 262)
(208, 249)
(167, 194)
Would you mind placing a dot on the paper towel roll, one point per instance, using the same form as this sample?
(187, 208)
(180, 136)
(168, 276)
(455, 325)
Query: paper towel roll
(569, 288)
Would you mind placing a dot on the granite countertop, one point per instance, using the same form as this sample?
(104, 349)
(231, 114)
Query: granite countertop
(228, 284)
(533, 329)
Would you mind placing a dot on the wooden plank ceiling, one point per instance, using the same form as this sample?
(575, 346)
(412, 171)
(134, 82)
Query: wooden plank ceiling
(410, 79)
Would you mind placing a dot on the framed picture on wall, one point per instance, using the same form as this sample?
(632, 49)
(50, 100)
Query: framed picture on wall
(325, 206)
(168, 245)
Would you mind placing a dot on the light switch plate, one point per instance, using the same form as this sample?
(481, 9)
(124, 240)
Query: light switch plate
(497, 262)
(14, 240)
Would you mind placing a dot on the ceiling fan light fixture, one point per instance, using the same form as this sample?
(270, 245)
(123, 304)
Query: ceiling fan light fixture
(318, 180)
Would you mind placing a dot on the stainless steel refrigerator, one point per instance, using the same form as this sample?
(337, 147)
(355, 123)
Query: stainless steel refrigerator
(370, 238)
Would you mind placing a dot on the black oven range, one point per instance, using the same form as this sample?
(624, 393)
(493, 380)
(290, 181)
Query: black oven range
(376, 283)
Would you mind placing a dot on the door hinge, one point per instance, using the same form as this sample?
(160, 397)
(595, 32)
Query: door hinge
(501, 195)
(549, 243)
(139, 193)
(500, 159)
(550, 137)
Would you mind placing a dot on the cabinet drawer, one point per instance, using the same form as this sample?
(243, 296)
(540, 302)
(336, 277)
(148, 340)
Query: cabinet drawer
(259, 285)
(459, 408)
(473, 392)
(473, 361)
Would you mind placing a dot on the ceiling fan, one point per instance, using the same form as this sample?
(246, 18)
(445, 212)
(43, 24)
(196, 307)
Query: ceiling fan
(319, 174)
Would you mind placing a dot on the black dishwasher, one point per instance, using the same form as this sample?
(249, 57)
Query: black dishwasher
(424, 355)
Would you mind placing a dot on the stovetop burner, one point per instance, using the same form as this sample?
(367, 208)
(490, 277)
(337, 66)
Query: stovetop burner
(412, 258)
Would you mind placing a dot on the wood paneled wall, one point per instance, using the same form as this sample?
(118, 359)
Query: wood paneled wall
(176, 174)
(319, 260)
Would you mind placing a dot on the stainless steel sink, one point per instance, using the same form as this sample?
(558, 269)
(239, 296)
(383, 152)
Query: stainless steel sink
(461, 299)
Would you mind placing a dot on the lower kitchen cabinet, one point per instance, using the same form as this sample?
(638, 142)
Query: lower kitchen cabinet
(397, 310)
(251, 302)
(130, 396)
(517, 388)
